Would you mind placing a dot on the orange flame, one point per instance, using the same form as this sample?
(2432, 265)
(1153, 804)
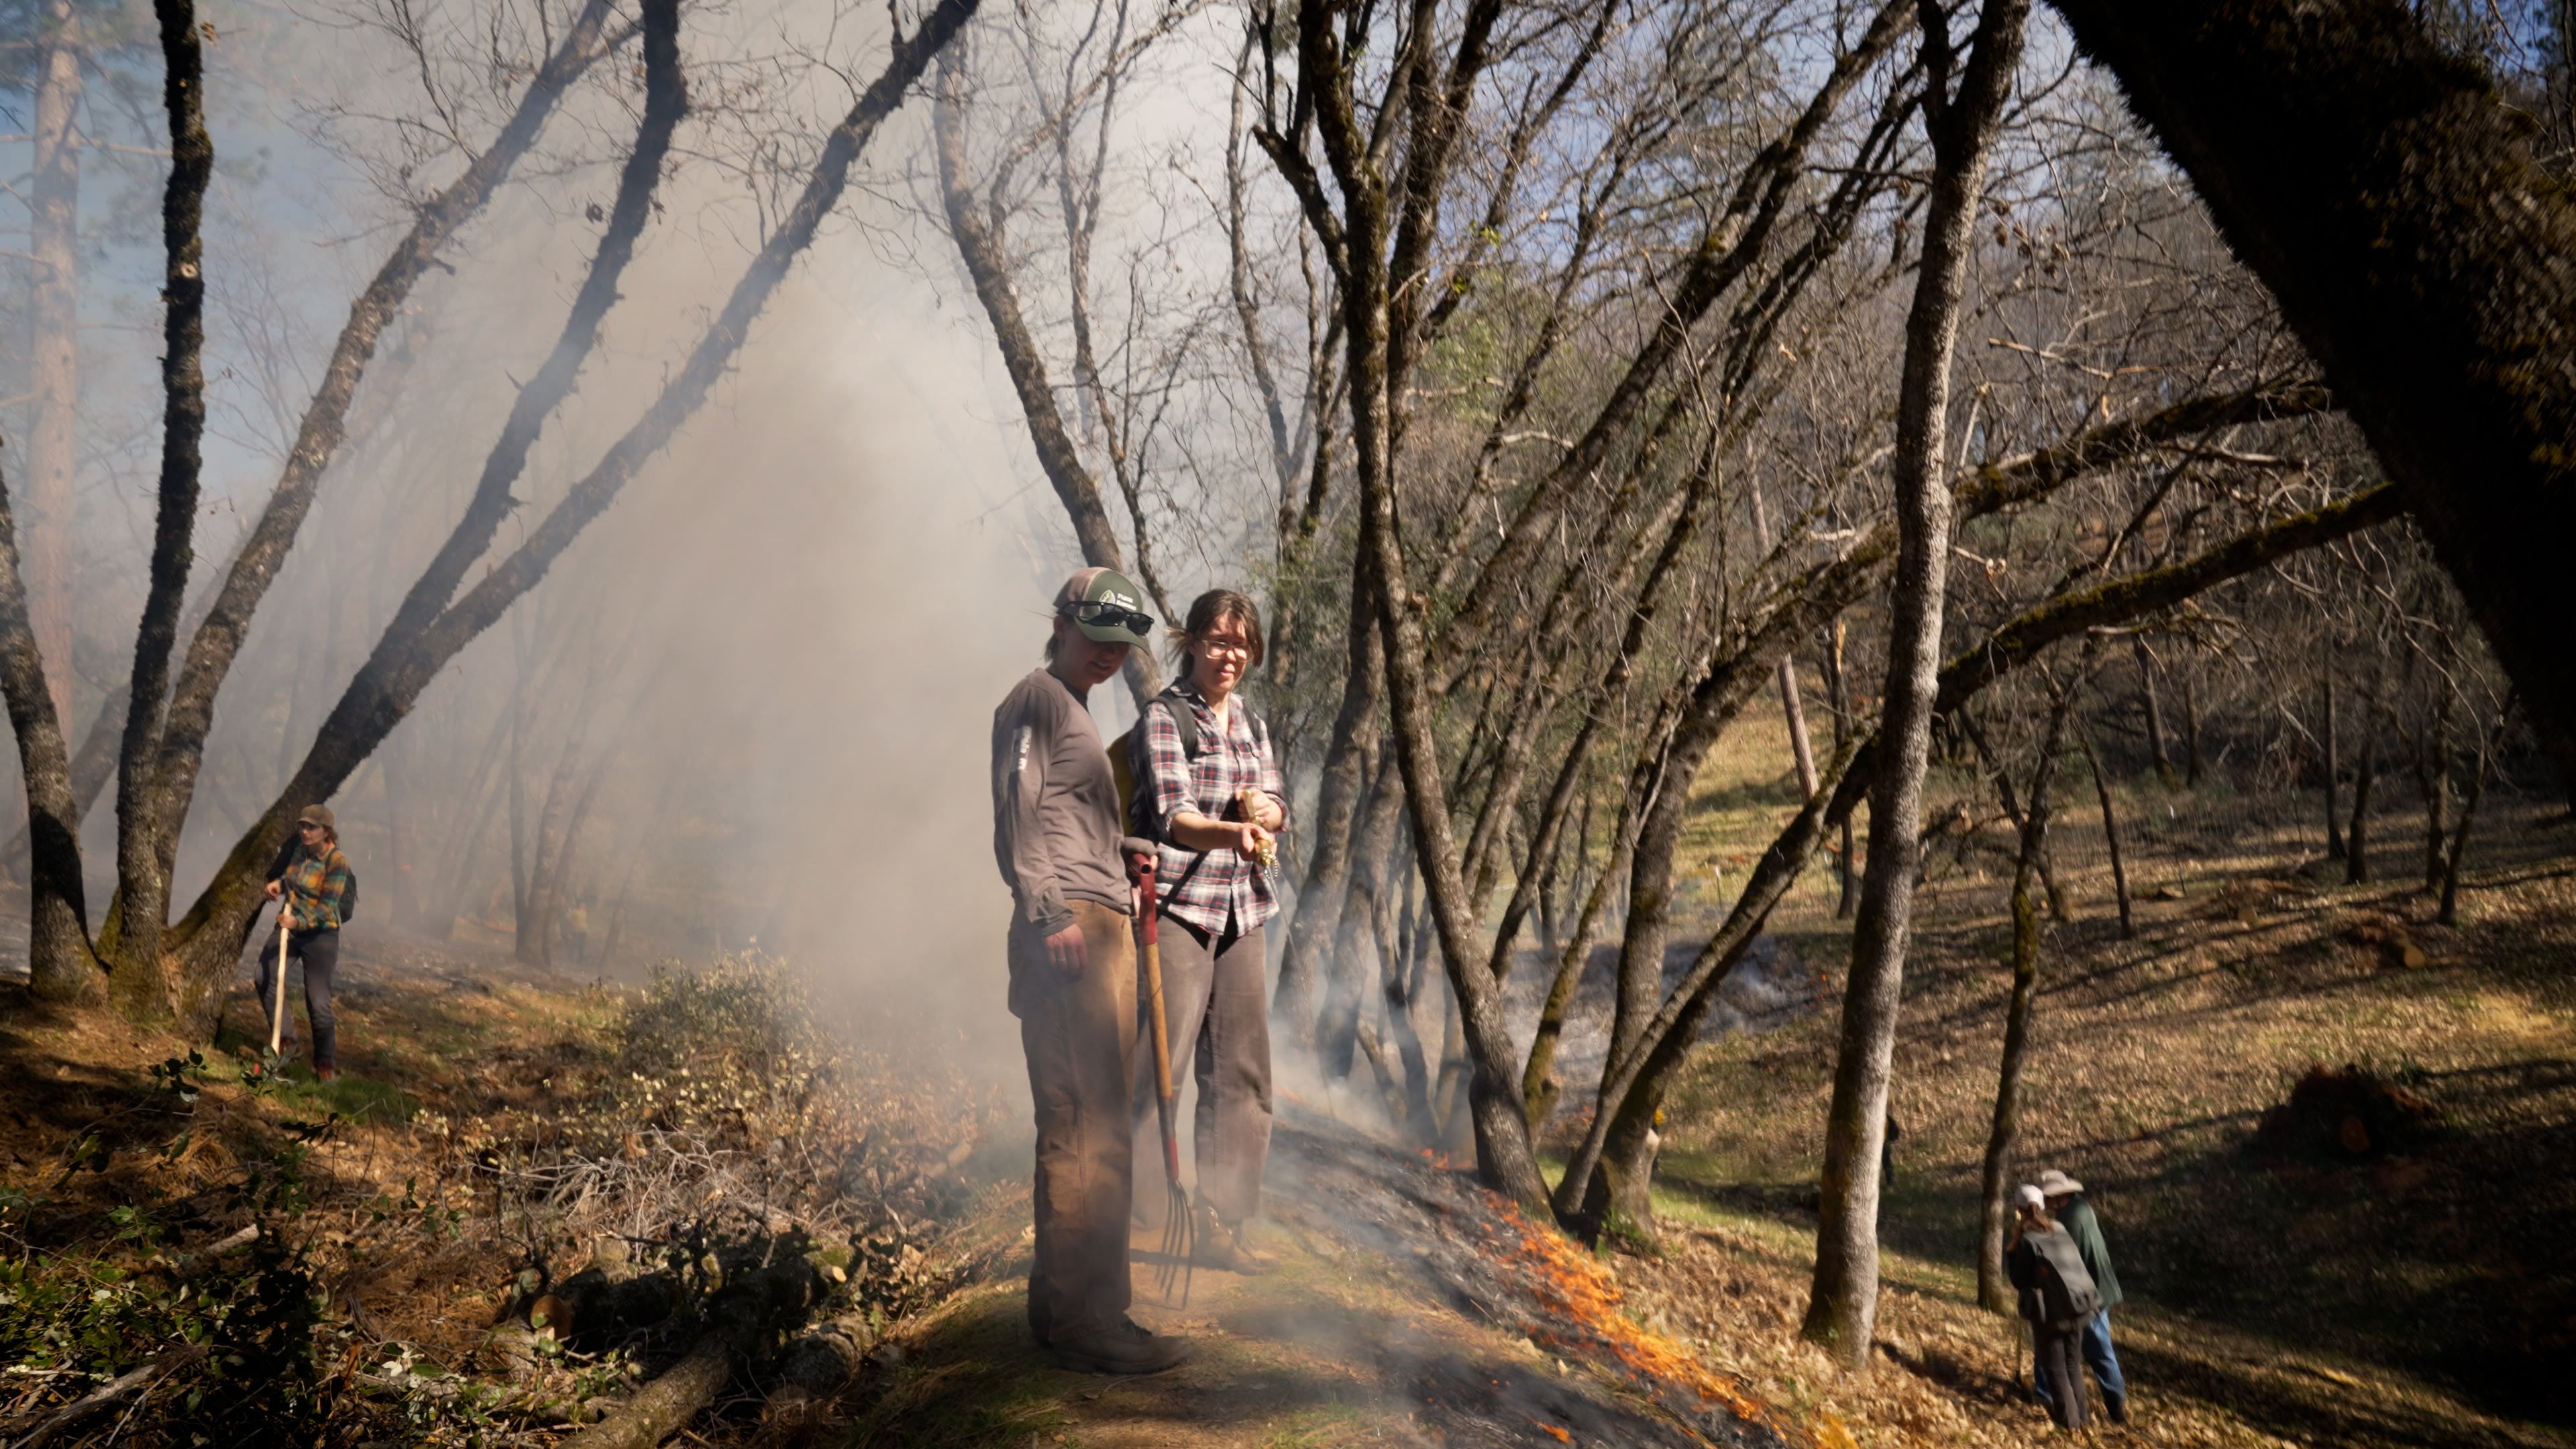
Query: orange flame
(1575, 1287)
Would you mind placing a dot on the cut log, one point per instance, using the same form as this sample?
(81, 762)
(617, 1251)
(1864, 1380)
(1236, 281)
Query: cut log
(660, 1408)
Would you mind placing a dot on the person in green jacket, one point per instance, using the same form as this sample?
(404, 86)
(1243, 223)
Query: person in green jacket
(2066, 1204)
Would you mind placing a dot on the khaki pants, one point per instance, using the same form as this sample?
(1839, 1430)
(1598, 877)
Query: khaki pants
(1219, 1018)
(1080, 1036)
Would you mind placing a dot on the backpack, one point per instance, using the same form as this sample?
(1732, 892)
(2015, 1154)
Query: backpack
(2066, 1291)
(1125, 754)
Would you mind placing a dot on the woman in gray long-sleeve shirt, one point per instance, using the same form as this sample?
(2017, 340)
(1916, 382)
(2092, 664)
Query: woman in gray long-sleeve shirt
(1073, 976)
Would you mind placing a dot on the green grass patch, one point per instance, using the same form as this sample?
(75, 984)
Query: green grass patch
(977, 1380)
(355, 1098)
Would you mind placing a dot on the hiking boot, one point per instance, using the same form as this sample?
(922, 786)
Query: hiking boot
(326, 1072)
(1225, 1248)
(2118, 1409)
(1123, 1347)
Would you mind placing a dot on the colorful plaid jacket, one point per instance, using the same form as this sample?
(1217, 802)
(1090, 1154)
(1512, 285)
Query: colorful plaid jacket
(319, 892)
(1205, 887)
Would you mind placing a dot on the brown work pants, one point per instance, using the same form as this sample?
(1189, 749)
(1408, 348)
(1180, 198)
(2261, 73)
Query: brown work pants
(1219, 1019)
(1080, 1036)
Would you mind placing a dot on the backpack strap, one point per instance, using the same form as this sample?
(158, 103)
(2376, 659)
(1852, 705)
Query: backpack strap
(1185, 720)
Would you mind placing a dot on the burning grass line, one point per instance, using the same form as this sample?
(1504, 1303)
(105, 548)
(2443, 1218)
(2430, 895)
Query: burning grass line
(1581, 1292)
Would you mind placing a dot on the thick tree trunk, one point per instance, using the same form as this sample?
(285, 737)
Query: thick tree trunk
(137, 980)
(2389, 195)
(1844, 1300)
(53, 320)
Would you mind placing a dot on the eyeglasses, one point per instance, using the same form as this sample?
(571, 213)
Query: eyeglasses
(1225, 648)
(1092, 611)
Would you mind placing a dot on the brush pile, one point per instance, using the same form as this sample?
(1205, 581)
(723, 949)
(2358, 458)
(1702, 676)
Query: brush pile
(700, 1199)
(2349, 1114)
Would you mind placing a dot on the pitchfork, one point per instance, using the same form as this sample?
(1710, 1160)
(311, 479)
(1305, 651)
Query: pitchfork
(1180, 1231)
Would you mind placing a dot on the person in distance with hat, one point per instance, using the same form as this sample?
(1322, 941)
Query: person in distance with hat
(1056, 829)
(317, 893)
(2057, 1297)
(2067, 1205)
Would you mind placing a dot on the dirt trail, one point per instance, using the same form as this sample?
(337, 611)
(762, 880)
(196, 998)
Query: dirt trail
(1409, 1307)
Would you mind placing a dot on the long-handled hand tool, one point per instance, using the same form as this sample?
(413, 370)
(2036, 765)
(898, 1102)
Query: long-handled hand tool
(277, 1008)
(1180, 1232)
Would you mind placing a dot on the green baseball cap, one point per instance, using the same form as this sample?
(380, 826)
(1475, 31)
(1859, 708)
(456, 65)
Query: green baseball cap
(1105, 607)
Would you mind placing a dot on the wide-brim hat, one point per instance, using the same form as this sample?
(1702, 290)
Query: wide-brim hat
(2058, 1184)
(1106, 607)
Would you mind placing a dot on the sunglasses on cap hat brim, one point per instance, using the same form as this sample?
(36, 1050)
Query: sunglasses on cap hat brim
(1112, 616)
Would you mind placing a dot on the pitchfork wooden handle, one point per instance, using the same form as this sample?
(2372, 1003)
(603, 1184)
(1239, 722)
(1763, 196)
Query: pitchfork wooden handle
(1148, 906)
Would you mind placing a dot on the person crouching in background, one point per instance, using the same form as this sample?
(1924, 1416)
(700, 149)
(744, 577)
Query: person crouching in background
(317, 893)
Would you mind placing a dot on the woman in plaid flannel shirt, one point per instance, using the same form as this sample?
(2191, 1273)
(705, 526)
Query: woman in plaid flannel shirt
(1216, 815)
(317, 891)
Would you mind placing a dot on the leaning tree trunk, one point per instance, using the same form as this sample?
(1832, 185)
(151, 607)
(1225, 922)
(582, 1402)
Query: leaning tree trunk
(60, 964)
(2390, 195)
(1844, 1301)
(92, 764)
(987, 264)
